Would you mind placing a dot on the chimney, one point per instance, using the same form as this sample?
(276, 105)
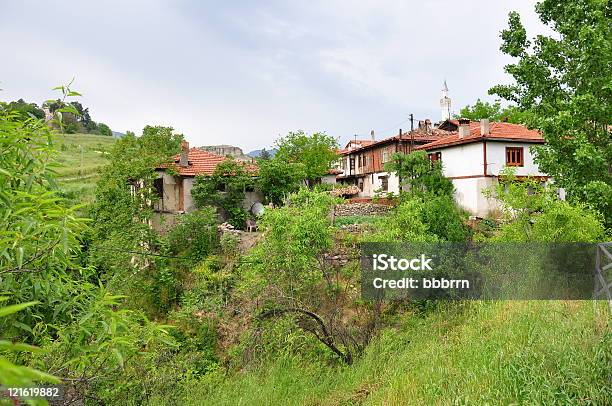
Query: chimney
(464, 127)
(372, 134)
(184, 161)
(428, 125)
(400, 133)
(485, 127)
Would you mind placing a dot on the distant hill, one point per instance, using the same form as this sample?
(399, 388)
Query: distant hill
(82, 157)
(256, 153)
(117, 134)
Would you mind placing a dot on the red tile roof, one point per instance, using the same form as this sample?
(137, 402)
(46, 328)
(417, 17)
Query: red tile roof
(498, 131)
(417, 136)
(362, 143)
(201, 163)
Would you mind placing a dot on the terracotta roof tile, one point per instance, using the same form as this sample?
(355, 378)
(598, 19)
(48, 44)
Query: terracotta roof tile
(201, 163)
(501, 131)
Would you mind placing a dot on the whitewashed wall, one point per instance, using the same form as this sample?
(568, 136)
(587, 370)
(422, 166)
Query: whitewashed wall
(496, 159)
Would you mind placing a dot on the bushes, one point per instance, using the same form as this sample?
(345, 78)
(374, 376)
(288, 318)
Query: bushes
(428, 218)
(533, 212)
(195, 236)
(224, 189)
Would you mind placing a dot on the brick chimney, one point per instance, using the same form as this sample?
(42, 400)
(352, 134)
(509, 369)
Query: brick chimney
(485, 127)
(464, 127)
(184, 161)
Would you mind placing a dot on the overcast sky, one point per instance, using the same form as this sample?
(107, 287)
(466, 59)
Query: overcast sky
(245, 72)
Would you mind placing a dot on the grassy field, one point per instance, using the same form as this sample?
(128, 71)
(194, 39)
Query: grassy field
(81, 158)
(514, 352)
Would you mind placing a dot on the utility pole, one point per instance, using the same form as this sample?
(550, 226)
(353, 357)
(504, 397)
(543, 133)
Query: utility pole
(411, 132)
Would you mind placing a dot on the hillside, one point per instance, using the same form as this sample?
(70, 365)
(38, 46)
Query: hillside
(509, 352)
(81, 158)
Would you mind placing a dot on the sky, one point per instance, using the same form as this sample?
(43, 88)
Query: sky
(245, 72)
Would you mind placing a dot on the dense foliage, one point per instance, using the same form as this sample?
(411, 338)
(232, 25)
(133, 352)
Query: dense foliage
(315, 152)
(419, 175)
(492, 111)
(563, 81)
(277, 178)
(225, 189)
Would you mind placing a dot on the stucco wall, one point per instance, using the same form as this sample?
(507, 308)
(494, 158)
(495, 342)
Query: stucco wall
(496, 159)
(469, 195)
(462, 160)
(393, 184)
(468, 160)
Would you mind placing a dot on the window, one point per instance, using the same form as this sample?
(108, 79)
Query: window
(364, 160)
(384, 183)
(435, 156)
(158, 184)
(514, 156)
(385, 156)
(352, 164)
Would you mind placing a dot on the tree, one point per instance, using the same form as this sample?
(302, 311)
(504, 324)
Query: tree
(291, 277)
(564, 83)
(316, 153)
(225, 189)
(122, 209)
(421, 175)
(534, 212)
(492, 111)
(26, 110)
(105, 130)
(277, 178)
(264, 155)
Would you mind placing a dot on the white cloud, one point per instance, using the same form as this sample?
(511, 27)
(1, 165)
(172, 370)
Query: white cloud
(243, 73)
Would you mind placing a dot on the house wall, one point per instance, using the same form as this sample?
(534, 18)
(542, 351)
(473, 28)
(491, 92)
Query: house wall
(464, 164)
(462, 160)
(393, 183)
(469, 195)
(330, 179)
(496, 159)
(170, 198)
(188, 204)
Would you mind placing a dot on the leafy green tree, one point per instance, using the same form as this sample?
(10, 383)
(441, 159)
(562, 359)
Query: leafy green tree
(315, 152)
(104, 130)
(277, 178)
(426, 218)
(563, 81)
(26, 110)
(492, 111)
(288, 274)
(419, 174)
(122, 210)
(225, 189)
(534, 212)
(40, 233)
(264, 155)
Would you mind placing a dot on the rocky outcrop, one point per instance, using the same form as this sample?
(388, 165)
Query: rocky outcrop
(225, 150)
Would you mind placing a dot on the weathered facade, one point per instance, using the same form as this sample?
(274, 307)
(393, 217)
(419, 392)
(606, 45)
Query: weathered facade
(175, 181)
(363, 162)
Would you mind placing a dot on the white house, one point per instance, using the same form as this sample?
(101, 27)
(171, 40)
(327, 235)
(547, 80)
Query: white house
(474, 155)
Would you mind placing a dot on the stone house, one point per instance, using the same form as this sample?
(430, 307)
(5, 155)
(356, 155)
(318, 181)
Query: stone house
(174, 181)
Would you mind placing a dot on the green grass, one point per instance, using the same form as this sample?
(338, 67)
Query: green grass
(81, 157)
(538, 352)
